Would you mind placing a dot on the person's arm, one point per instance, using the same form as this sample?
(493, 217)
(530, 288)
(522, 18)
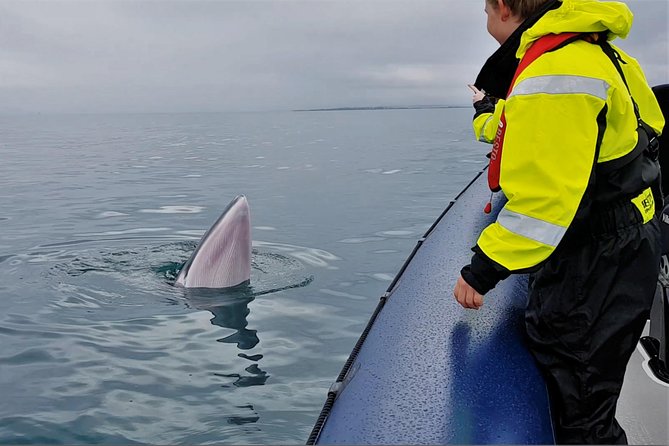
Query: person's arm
(486, 118)
(488, 111)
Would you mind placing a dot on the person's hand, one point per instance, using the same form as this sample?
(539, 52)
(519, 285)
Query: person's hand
(478, 94)
(467, 296)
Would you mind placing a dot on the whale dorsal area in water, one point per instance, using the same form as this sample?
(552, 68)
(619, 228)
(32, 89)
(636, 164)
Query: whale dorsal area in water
(222, 259)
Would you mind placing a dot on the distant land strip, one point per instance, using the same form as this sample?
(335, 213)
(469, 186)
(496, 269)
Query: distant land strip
(381, 107)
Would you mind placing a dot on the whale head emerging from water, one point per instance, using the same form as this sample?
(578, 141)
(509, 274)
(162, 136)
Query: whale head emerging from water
(222, 259)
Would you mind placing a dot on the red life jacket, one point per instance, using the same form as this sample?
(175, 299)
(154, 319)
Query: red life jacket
(539, 47)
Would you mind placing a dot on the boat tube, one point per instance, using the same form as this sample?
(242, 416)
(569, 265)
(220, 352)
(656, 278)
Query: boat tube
(427, 371)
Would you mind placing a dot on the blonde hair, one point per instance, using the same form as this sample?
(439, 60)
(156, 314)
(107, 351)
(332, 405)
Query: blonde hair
(521, 8)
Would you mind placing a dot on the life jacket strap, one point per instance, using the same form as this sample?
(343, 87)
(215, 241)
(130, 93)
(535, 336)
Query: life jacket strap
(544, 44)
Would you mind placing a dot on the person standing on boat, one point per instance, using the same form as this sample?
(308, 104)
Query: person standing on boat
(575, 154)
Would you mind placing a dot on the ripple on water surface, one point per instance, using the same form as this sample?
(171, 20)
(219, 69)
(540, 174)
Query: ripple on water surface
(119, 355)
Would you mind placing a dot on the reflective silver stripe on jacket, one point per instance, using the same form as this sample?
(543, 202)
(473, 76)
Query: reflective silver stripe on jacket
(530, 227)
(562, 84)
(482, 138)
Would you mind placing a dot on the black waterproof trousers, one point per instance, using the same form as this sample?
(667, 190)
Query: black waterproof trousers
(587, 308)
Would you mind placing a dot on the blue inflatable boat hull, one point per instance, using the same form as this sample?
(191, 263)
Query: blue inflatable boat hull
(427, 371)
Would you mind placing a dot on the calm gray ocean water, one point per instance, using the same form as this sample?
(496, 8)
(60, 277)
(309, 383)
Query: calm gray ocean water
(98, 212)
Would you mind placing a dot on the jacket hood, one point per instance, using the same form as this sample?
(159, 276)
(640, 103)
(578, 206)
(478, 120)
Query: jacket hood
(580, 16)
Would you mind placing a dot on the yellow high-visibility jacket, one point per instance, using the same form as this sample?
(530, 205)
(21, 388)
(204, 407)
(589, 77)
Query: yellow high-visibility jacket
(485, 124)
(559, 108)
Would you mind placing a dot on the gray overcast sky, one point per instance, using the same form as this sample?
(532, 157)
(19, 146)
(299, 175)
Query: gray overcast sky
(192, 55)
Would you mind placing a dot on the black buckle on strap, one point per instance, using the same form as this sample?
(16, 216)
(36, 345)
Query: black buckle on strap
(654, 148)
